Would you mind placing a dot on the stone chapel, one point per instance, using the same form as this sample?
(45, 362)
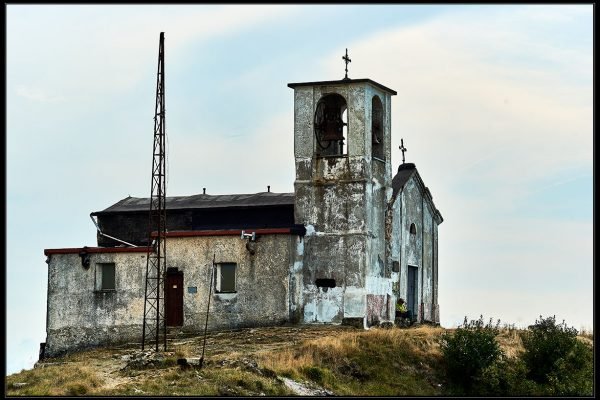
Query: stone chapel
(350, 240)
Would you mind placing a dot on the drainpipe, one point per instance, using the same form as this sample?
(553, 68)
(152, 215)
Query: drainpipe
(110, 237)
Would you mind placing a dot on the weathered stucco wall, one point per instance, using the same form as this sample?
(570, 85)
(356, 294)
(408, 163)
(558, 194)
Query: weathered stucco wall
(342, 201)
(417, 250)
(80, 316)
(427, 236)
(262, 280)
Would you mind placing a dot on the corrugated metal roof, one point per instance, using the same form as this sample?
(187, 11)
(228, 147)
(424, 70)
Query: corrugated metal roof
(198, 201)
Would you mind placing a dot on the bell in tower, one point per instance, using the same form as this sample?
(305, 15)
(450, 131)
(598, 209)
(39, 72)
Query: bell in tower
(329, 125)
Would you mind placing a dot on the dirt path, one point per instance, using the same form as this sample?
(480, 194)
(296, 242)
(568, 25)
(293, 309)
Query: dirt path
(250, 340)
(223, 348)
(219, 346)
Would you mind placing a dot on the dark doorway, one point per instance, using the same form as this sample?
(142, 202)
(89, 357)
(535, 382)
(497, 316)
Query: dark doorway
(413, 289)
(174, 298)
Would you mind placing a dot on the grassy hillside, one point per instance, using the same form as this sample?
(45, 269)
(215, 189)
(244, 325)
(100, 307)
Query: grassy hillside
(284, 360)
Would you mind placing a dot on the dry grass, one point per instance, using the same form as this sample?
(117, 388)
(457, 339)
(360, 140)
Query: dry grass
(587, 333)
(183, 350)
(54, 380)
(510, 342)
(422, 341)
(379, 361)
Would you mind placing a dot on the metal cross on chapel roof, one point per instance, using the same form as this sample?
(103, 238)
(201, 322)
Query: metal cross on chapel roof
(402, 149)
(347, 60)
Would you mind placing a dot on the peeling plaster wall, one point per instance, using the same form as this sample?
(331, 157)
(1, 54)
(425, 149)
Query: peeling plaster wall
(296, 279)
(342, 202)
(427, 236)
(262, 280)
(418, 250)
(79, 316)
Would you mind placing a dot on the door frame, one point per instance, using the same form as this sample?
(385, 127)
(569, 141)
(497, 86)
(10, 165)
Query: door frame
(412, 298)
(174, 277)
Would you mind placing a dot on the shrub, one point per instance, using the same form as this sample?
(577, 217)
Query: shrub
(545, 343)
(469, 351)
(554, 363)
(507, 377)
(557, 359)
(573, 375)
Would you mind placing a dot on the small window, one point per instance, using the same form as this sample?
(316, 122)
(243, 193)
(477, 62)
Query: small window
(105, 276)
(226, 278)
(413, 229)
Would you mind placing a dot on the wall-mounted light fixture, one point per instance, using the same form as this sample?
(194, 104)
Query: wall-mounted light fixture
(85, 258)
(250, 236)
(251, 243)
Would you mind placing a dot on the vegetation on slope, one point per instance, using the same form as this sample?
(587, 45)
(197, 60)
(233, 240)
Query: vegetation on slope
(337, 360)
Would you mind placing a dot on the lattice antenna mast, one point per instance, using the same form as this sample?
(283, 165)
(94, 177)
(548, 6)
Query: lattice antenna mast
(154, 327)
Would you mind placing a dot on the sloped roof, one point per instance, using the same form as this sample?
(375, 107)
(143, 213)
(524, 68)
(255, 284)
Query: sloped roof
(405, 172)
(203, 201)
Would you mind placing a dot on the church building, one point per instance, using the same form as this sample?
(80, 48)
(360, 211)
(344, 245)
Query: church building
(350, 240)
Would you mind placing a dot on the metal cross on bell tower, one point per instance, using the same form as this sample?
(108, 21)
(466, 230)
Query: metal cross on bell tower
(402, 149)
(347, 60)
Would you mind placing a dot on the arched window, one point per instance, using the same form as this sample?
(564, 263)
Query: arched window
(377, 128)
(330, 125)
(413, 229)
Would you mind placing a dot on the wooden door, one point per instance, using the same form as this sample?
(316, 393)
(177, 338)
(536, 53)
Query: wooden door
(174, 299)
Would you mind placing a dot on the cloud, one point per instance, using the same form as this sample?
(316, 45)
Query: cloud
(490, 111)
(228, 164)
(36, 94)
(468, 101)
(92, 50)
(444, 66)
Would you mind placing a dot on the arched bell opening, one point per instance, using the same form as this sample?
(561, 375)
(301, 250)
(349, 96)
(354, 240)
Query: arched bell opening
(377, 149)
(331, 121)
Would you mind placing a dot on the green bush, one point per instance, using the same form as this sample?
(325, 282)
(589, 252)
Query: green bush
(573, 375)
(555, 358)
(469, 351)
(507, 377)
(545, 343)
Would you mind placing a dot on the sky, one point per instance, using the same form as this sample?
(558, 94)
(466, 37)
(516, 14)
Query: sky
(494, 105)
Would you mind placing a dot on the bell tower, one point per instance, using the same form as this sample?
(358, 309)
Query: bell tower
(343, 182)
